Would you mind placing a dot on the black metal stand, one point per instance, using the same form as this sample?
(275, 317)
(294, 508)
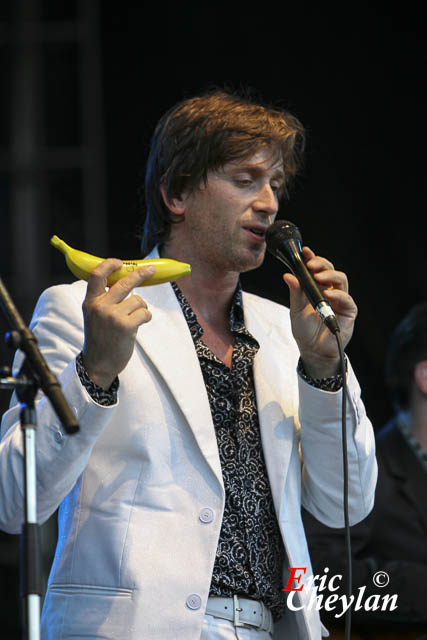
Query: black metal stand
(34, 375)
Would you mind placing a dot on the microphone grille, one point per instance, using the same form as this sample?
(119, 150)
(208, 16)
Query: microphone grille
(279, 232)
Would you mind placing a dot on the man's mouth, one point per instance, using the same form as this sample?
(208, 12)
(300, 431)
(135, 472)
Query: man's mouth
(257, 231)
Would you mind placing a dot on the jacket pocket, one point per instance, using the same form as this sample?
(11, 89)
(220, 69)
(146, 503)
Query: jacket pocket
(92, 612)
(89, 590)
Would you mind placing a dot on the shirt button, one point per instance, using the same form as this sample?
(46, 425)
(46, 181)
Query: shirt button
(194, 601)
(58, 436)
(206, 515)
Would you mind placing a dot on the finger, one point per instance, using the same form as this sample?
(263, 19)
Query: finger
(141, 316)
(131, 304)
(318, 263)
(332, 279)
(334, 282)
(97, 281)
(291, 281)
(307, 253)
(325, 279)
(297, 296)
(123, 318)
(122, 288)
(131, 322)
(341, 302)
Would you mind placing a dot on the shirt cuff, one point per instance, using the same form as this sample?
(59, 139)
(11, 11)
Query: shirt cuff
(97, 393)
(333, 383)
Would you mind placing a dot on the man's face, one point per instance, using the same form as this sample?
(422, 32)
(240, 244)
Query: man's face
(225, 221)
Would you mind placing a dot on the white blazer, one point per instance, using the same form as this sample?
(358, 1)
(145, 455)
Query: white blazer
(135, 549)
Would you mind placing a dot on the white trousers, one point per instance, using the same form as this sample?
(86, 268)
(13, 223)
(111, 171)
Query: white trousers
(220, 629)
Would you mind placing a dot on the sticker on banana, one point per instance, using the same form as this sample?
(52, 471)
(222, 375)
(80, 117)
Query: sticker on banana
(82, 264)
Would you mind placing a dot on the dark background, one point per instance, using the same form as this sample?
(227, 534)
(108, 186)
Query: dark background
(355, 79)
(354, 75)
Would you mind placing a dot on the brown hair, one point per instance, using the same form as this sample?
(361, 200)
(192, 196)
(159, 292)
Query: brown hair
(204, 133)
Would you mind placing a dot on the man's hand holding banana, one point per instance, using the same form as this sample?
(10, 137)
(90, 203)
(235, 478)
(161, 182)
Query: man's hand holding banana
(111, 321)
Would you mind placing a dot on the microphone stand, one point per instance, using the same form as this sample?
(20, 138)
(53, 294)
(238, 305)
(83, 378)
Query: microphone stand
(33, 375)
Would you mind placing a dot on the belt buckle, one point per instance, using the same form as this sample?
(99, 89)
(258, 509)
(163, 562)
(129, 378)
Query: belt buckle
(236, 612)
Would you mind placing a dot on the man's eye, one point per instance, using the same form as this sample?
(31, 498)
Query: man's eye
(277, 188)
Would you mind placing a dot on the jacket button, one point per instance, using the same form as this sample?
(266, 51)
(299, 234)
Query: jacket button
(194, 601)
(206, 515)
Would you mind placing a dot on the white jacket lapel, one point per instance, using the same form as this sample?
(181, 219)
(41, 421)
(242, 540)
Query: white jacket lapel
(167, 341)
(276, 394)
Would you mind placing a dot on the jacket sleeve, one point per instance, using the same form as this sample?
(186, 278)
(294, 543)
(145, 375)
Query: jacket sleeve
(322, 454)
(57, 324)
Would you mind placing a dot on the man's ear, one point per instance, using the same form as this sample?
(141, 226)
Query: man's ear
(176, 205)
(420, 375)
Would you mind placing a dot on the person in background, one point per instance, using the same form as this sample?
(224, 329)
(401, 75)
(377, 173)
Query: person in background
(393, 538)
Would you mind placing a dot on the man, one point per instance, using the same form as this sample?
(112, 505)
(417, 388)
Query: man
(180, 497)
(392, 539)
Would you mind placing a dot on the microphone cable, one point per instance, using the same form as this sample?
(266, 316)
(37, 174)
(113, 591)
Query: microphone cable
(284, 241)
(347, 536)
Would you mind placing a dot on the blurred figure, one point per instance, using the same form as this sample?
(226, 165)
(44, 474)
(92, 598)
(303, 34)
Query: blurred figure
(393, 538)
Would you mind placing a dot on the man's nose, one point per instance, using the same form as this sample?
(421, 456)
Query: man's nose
(266, 201)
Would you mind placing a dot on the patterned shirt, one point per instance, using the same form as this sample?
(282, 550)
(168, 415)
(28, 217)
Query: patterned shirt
(250, 553)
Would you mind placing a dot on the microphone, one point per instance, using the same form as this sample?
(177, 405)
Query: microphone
(284, 240)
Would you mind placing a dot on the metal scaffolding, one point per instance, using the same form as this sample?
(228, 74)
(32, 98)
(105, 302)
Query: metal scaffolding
(36, 154)
(52, 177)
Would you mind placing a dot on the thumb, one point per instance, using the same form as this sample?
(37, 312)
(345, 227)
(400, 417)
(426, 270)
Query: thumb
(296, 294)
(97, 280)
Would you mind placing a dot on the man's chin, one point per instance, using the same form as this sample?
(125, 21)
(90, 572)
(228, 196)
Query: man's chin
(252, 260)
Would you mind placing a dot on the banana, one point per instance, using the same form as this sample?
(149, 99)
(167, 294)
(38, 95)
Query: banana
(81, 265)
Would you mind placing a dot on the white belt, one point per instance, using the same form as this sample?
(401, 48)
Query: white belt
(242, 612)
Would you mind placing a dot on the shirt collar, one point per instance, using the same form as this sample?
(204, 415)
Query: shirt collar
(237, 318)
